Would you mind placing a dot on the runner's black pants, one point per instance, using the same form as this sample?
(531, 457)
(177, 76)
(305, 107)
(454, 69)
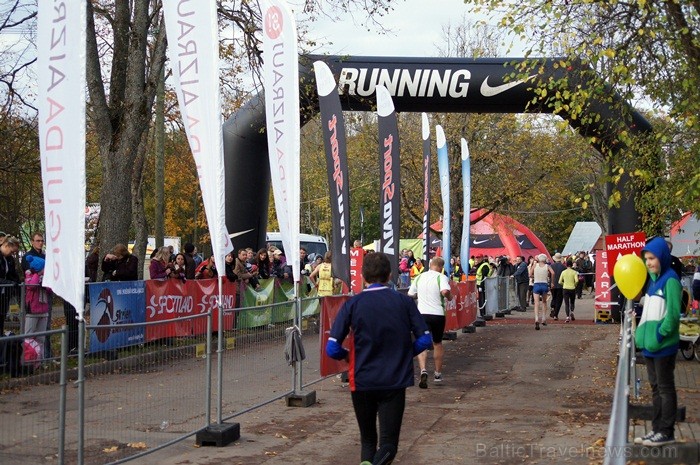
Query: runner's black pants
(389, 405)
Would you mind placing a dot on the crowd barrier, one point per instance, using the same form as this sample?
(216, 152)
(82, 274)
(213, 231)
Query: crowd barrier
(154, 367)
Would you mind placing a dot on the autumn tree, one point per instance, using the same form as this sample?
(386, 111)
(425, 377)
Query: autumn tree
(643, 51)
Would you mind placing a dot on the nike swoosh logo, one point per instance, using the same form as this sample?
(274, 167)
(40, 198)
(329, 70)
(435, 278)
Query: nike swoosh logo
(490, 91)
(240, 233)
(475, 242)
(521, 242)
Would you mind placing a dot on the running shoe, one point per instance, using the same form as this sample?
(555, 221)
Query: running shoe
(567, 319)
(537, 325)
(647, 436)
(438, 377)
(544, 323)
(659, 439)
(423, 380)
(572, 317)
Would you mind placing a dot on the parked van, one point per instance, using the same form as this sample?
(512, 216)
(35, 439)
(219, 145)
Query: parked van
(312, 244)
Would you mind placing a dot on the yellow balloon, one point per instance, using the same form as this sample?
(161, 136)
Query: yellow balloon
(630, 273)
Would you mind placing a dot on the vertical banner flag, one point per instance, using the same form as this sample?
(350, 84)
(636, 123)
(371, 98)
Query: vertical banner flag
(193, 49)
(337, 168)
(467, 204)
(426, 189)
(389, 175)
(281, 83)
(61, 50)
(444, 172)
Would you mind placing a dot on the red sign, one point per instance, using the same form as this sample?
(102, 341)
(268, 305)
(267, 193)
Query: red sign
(357, 255)
(603, 282)
(617, 245)
(461, 310)
(330, 306)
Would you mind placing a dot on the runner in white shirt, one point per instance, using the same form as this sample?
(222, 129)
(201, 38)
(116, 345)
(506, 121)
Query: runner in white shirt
(432, 288)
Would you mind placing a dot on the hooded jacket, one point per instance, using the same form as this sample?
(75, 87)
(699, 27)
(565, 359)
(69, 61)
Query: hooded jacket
(657, 333)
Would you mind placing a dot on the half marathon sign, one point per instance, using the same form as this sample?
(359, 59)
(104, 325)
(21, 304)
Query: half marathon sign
(617, 245)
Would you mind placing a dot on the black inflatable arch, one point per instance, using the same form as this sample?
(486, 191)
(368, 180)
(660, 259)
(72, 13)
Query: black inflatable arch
(445, 85)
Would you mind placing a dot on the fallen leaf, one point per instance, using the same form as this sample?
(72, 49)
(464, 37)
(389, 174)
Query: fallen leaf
(111, 449)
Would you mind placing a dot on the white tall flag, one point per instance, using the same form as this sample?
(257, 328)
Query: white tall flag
(281, 82)
(193, 49)
(61, 102)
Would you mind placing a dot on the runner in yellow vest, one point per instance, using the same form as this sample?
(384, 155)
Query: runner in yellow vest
(322, 276)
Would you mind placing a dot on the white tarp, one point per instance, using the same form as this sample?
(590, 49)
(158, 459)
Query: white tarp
(583, 237)
(193, 49)
(281, 83)
(61, 101)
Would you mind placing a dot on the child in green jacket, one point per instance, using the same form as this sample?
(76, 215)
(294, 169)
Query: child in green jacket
(657, 336)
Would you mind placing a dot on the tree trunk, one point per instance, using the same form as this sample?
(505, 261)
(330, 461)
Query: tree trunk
(140, 223)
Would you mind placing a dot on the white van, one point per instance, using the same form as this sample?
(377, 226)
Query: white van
(312, 244)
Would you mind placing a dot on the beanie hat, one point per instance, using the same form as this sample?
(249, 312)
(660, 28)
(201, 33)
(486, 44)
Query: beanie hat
(36, 264)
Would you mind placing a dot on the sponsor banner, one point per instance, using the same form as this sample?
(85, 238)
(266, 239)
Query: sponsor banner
(426, 189)
(61, 46)
(604, 297)
(444, 174)
(357, 256)
(330, 307)
(171, 299)
(113, 304)
(281, 83)
(333, 124)
(466, 205)
(461, 310)
(193, 39)
(389, 174)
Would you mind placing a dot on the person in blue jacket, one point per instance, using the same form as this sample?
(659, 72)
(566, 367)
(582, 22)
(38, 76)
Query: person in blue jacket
(388, 331)
(658, 337)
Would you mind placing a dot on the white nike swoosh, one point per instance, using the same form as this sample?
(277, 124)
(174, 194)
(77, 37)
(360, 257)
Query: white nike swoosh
(240, 233)
(521, 242)
(490, 91)
(475, 242)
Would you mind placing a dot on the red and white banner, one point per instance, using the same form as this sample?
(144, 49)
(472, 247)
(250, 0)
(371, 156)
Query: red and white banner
(170, 299)
(61, 101)
(461, 310)
(603, 281)
(330, 306)
(281, 83)
(193, 48)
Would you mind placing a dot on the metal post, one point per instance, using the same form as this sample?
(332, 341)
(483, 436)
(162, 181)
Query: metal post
(62, 399)
(208, 369)
(22, 306)
(81, 391)
(220, 358)
(297, 364)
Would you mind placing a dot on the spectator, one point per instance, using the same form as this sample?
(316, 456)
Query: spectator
(384, 325)
(457, 271)
(9, 279)
(158, 269)
(92, 264)
(230, 264)
(242, 272)
(37, 298)
(120, 265)
(658, 337)
(696, 288)
(37, 250)
(521, 281)
(190, 264)
(405, 270)
(178, 267)
(198, 259)
(207, 269)
(171, 252)
(416, 269)
(263, 263)
(483, 269)
(280, 269)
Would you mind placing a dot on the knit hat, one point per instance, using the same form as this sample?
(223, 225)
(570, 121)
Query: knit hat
(36, 264)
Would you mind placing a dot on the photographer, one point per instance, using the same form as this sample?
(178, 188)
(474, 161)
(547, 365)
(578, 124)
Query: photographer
(120, 265)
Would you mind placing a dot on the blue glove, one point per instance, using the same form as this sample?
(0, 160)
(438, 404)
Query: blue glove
(423, 343)
(335, 350)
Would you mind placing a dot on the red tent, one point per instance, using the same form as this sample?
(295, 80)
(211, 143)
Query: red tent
(685, 236)
(497, 235)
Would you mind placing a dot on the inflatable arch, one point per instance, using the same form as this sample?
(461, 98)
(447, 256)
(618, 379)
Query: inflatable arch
(445, 85)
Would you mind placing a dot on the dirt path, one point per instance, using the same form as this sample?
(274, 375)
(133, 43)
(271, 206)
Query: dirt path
(510, 395)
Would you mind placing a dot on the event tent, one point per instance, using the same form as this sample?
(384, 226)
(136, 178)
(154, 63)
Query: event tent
(497, 235)
(685, 236)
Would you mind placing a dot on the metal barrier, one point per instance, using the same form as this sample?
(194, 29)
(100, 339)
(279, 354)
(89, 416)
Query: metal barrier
(618, 428)
(500, 294)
